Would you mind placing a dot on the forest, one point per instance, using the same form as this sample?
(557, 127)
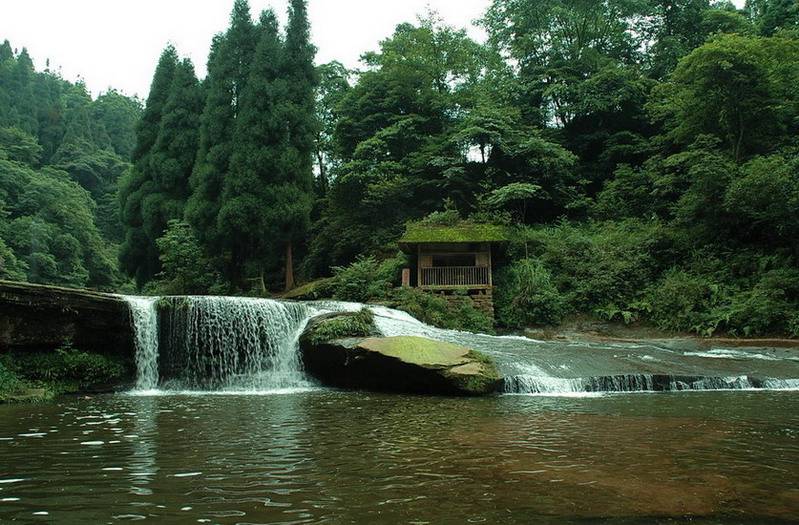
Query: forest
(642, 156)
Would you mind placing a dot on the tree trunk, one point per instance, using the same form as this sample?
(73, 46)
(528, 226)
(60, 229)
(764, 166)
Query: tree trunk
(289, 268)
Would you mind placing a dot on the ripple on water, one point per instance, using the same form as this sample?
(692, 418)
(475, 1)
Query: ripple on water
(391, 459)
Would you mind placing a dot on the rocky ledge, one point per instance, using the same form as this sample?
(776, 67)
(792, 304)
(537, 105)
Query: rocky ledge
(36, 317)
(358, 360)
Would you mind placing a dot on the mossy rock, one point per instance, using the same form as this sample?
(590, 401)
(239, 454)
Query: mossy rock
(405, 364)
(320, 289)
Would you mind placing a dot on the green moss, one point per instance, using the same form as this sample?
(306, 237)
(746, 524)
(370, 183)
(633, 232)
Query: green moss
(462, 232)
(476, 355)
(319, 289)
(358, 324)
(418, 350)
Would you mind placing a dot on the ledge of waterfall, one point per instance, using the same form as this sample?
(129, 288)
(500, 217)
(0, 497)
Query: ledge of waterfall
(407, 364)
(38, 317)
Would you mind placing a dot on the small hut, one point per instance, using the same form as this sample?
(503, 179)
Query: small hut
(450, 258)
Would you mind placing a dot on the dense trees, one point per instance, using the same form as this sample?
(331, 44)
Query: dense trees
(636, 146)
(643, 154)
(233, 158)
(61, 154)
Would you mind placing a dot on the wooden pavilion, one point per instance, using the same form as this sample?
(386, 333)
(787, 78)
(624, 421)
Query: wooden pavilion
(453, 257)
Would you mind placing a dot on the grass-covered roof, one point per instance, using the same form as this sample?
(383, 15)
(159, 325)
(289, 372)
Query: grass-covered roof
(461, 232)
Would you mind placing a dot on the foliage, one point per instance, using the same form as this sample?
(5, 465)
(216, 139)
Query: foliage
(156, 188)
(525, 295)
(436, 310)
(735, 88)
(52, 131)
(186, 270)
(252, 186)
(685, 301)
(641, 155)
(357, 324)
(48, 229)
(68, 365)
(63, 370)
(366, 279)
(10, 382)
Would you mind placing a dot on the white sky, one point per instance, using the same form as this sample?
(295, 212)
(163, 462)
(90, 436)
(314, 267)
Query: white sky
(116, 43)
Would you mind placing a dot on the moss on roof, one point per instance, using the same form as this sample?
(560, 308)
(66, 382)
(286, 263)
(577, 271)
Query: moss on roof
(462, 232)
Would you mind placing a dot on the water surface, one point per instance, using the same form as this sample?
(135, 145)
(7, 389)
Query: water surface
(323, 456)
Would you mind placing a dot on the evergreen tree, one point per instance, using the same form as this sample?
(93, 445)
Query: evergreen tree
(147, 129)
(228, 72)
(138, 256)
(292, 188)
(168, 164)
(259, 136)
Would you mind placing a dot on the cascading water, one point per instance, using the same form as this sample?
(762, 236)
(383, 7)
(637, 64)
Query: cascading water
(224, 343)
(546, 367)
(218, 343)
(234, 344)
(145, 323)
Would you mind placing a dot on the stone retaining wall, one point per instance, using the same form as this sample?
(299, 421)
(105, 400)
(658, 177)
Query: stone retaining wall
(483, 300)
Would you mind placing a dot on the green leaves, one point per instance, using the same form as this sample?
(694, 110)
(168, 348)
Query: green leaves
(735, 88)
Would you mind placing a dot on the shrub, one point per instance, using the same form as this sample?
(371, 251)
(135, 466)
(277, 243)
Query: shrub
(185, 268)
(525, 295)
(581, 268)
(68, 365)
(768, 307)
(437, 311)
(9, 380)
(358, 324)
(366, 279)
(684, 301)
(426, 307)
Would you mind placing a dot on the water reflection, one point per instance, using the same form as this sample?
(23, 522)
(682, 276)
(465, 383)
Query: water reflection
(330, 457)
(142, 467)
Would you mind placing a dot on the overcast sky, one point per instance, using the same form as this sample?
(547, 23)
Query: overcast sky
(116, 43)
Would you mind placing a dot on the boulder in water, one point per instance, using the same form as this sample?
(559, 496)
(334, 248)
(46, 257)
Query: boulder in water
(406, 364)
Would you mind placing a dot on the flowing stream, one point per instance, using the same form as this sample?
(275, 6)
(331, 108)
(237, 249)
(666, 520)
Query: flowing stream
(602, 449)
(245, 345)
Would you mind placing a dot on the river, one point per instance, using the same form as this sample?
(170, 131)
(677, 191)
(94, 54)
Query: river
(555, 448)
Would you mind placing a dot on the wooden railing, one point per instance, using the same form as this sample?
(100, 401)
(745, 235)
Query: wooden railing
(456, 276)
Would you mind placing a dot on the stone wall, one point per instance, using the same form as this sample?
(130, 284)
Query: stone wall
(41, 317)
(483, 300)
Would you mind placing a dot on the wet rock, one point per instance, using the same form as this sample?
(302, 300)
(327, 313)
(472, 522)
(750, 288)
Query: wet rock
(40, 317)
(397, 364)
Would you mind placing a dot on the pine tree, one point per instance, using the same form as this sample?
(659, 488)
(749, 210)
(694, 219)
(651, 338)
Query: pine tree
(228, 71)
(293, 186)
(138, 254)
(259, 138)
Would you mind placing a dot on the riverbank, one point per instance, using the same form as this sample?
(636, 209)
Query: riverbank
(586, 329)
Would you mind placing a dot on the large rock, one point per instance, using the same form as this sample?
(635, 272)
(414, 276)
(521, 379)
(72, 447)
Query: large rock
(40, 317)
(398, 364)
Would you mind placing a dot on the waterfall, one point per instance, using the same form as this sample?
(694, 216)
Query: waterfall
(233, 343)
(241, 344)
(218, 343)
(145, 326)
(548, 367)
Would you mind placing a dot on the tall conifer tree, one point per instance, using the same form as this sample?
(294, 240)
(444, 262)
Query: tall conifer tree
(156, 188)
(136, 255)
(228, 71)
(292, 191)
(256, 151)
